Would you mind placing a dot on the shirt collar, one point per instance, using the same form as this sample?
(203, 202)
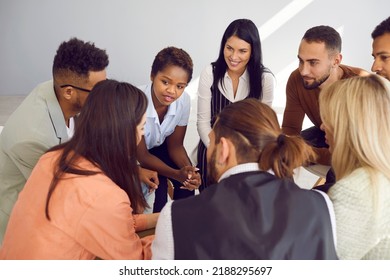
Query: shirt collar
(55, 111)
(241, 168)
(244, 76)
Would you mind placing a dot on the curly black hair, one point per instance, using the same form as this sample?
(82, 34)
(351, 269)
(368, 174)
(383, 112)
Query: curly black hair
(79, 57)
(172, 56)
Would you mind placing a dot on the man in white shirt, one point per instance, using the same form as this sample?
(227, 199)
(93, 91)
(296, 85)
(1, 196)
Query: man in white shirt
(249, 213)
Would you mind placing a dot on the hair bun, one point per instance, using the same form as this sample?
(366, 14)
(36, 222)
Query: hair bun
(280, 139)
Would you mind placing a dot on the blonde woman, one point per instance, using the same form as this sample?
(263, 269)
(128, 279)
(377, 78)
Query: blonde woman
(355, 114)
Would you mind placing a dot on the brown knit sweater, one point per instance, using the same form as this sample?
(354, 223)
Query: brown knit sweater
(301, 101)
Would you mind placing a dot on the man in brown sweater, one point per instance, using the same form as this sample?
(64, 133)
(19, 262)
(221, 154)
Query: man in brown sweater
(320, 58)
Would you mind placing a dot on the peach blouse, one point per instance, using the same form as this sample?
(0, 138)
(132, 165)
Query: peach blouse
(90, 217)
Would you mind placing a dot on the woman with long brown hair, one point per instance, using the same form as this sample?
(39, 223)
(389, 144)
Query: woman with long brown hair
(83, 198)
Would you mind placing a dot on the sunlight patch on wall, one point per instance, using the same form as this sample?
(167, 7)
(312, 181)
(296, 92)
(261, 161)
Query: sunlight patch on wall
(280, 18)
(280, 90)
(192, 88)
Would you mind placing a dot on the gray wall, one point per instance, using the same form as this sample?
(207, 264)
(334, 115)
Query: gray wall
(133, 32)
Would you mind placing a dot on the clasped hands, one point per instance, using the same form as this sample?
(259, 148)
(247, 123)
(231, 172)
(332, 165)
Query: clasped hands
(191, 176)
(188, 175)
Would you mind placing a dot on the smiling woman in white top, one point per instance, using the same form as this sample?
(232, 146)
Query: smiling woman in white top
(238, 73)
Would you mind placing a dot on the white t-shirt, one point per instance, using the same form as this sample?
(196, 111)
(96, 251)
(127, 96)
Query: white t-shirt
(70, 129)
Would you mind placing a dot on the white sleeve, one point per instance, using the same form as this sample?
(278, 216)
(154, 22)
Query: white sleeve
(204, 104)
(185, 110)
(163, 244)
(269, 83)
(332, 215)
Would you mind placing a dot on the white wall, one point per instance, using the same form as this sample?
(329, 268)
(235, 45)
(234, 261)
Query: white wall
(133, 32)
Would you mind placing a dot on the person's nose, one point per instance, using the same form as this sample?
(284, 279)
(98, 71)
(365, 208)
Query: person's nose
(376, 65)
(234, 55)
(304, 69)
(171, 89)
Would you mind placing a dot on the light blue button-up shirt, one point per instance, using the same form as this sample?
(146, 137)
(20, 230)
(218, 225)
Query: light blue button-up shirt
(177, 115)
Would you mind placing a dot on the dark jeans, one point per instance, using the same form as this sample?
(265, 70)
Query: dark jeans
(315, 137)
(161, 192)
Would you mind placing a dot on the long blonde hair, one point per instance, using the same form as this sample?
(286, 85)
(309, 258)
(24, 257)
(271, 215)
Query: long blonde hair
(357, 110)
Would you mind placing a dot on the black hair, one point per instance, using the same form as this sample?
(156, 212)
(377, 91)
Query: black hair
(324, 34)
(79, 57)
(382, 28)
(172, 56)
(246, 30)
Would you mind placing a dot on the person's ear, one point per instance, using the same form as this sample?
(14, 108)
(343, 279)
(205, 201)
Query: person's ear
(337, 60)
(67, 93)
(223, 151)
(151, 77)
